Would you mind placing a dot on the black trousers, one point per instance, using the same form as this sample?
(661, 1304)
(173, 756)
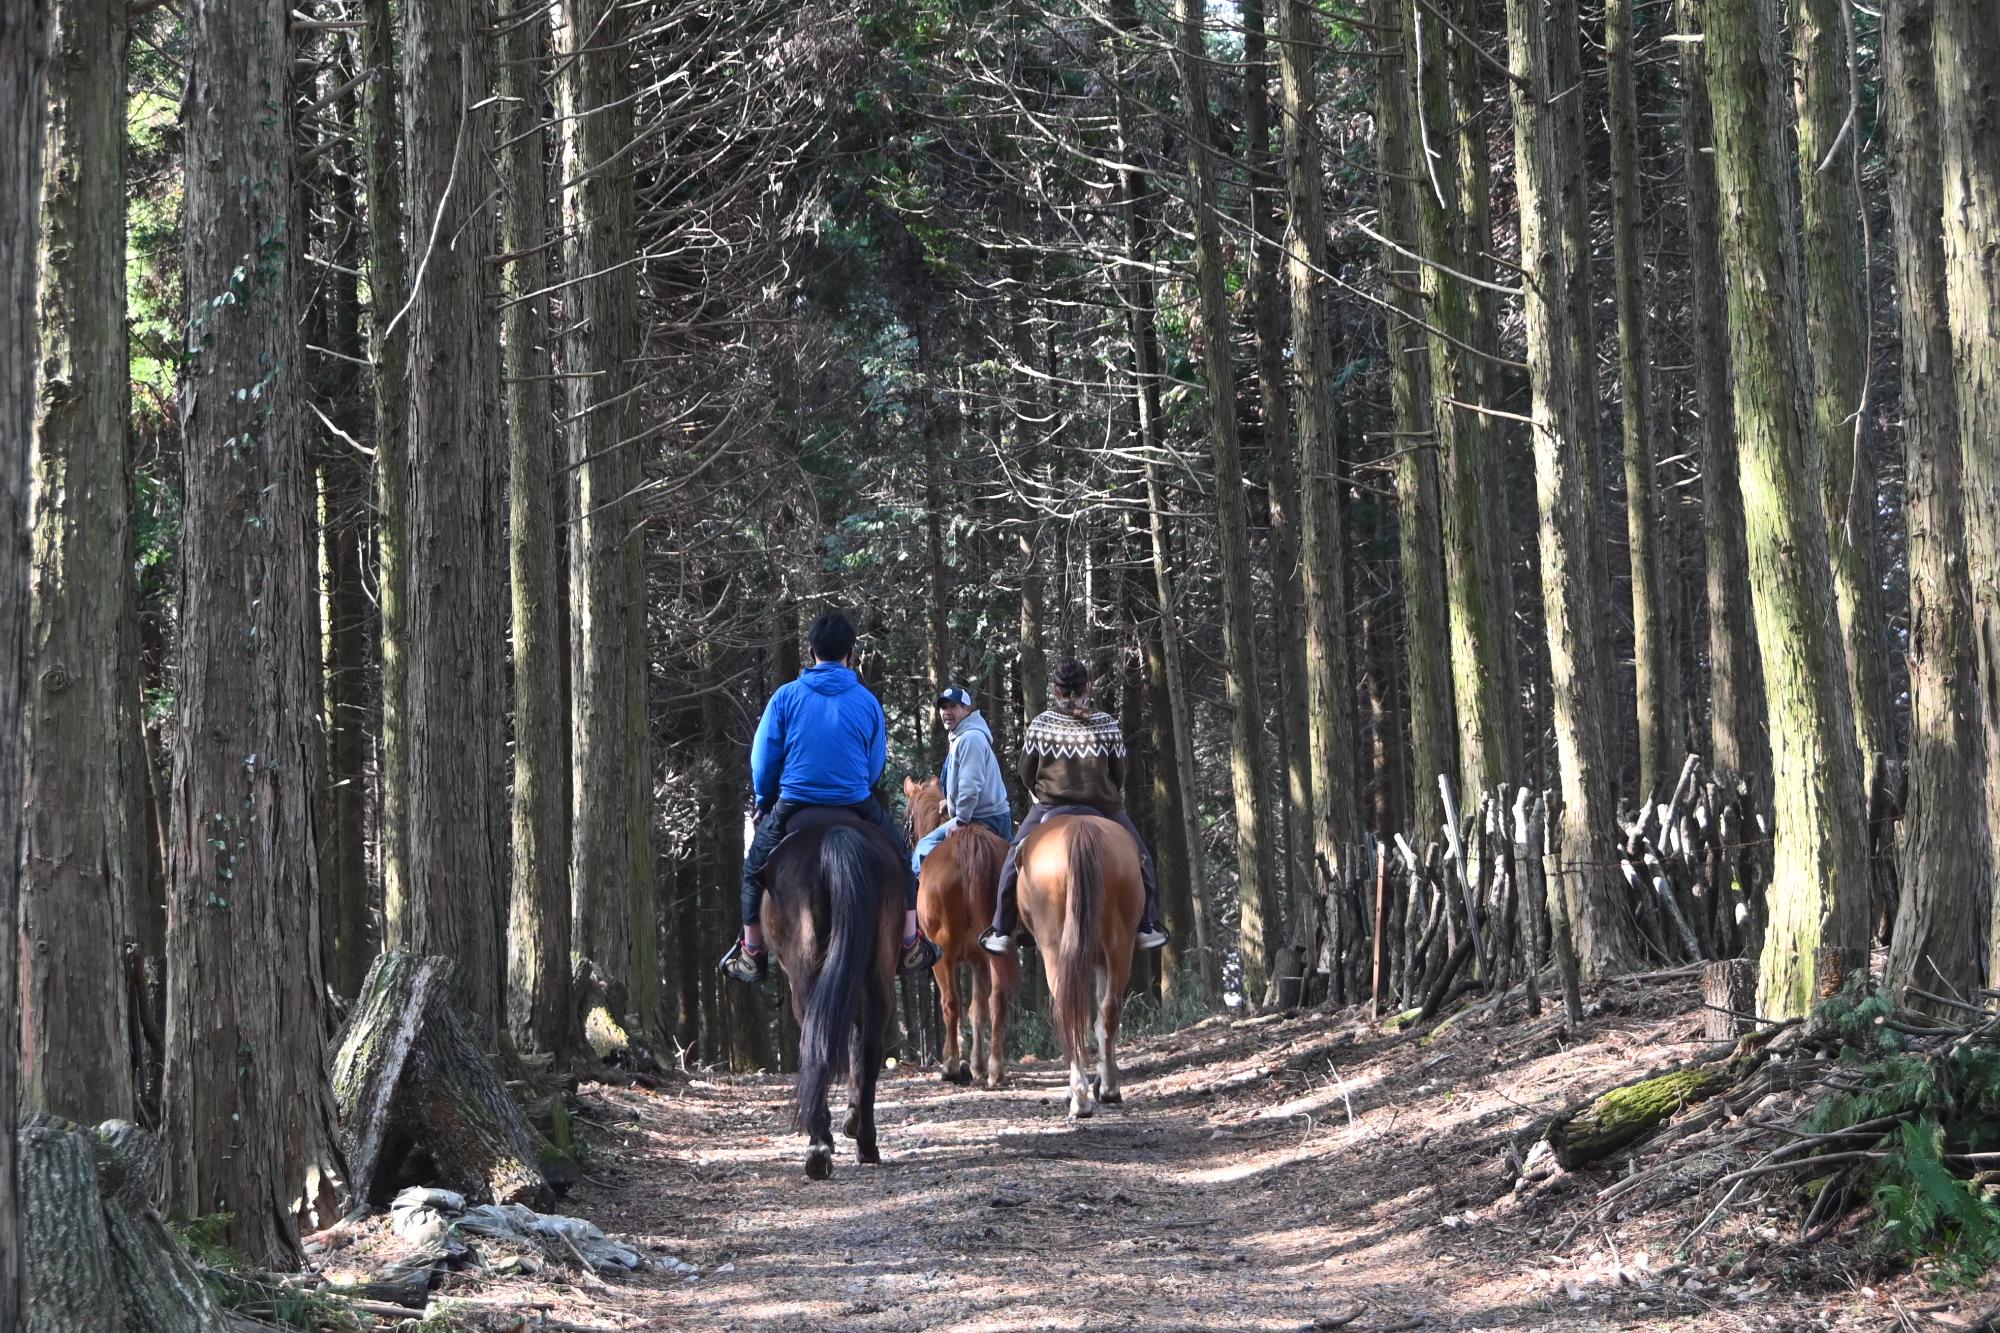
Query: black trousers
(1004, 915)
(771, 830)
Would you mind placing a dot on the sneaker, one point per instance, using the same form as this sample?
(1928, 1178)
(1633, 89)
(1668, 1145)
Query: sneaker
(1151, 936)
(994, 942)
(920, 955)
(741, 964)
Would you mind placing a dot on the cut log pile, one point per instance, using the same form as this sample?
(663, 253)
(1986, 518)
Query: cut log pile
(1429, 915)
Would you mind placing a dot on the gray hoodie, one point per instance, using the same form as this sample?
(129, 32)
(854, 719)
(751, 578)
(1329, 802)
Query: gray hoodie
(973, 782)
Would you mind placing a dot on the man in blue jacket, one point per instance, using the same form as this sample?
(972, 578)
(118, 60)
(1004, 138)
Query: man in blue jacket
(823, 741)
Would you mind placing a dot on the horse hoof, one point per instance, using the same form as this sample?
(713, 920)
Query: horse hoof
(852, 1124)
(958, 1077)
(1082, 1112)
(1111, 1098)
(995, 1084)
(869, 1156)
(819, 1163)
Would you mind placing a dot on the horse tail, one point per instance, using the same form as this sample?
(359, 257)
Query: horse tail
(846, 868)
(1076, 957)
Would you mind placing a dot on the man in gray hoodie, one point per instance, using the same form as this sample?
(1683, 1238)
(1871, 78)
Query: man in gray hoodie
(975, 792)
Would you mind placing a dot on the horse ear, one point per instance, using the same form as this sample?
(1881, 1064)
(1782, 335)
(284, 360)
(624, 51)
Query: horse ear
(910, 788)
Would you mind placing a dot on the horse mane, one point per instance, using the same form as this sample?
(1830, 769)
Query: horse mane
(926, 802)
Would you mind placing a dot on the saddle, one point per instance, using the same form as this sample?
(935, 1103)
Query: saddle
(809, 818)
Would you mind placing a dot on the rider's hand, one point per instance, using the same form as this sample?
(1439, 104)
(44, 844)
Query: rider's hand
(757, 817)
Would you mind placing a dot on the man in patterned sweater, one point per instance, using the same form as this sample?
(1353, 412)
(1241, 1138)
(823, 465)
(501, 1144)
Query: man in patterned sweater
(1073, 755)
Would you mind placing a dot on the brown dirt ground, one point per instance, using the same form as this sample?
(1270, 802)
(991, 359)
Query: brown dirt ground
(1285, 1173)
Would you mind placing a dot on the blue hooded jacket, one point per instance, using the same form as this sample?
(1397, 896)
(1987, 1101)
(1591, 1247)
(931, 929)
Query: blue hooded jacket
(823, 740)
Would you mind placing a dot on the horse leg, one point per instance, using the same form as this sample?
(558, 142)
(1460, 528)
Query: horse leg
(953, 1010)
(981, 998)
(1110, 1004)
(866, 1059)
(819, 1136)
(999, 1000)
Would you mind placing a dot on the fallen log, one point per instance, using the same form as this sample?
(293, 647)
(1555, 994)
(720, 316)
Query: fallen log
(1624, 1115)
(418, 1103)
(96, 1257)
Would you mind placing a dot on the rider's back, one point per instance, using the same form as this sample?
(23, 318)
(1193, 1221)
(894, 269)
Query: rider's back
(822, 740)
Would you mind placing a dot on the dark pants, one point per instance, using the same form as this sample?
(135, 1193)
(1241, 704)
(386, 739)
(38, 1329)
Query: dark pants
(1003, 909)
(771, 829)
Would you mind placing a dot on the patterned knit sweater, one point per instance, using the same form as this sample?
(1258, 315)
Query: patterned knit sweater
(1071, 760)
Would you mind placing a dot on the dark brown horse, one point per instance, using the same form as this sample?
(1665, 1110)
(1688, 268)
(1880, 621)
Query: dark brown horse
(1081, 897)
(833, 916)
(954, 903)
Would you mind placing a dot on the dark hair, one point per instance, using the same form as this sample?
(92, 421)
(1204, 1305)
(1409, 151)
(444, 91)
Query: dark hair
(1072, 678)
(831, 637)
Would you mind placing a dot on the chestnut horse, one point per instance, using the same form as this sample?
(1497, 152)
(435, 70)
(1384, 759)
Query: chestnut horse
(954, 904)
(833, 917)
(1081, 896)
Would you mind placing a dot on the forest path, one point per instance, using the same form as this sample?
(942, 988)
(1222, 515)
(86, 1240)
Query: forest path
(1285, 1174)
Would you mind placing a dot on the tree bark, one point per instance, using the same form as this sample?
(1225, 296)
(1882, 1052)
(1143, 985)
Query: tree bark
(1570, 601)
(1836, 276)
(454, 696)
(24, 35)
(538, 919)
(1477, 587)
(85, 866)
(1654, 685)
(1259, 922)
(1819, 892)
(1966, 58)
(247, 1105)
(1328, 735)
(601, 320)
(1739, 745)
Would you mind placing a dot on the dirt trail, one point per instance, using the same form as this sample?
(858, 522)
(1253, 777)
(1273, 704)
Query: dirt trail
(1301, 1173)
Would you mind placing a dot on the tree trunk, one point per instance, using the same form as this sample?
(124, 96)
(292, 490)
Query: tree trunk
(247, 1105)
(1476, 583)
(413, 1090)
(452, 688)
(538, 920)
(1433, 729)
(1329, 697)
(23, 64)
(1655, 688)
(1184, 900)
(389, 355)
(1289, 453)
(1739, 746)
(1570, 602)
(600, 316)
(1260, 925)
(1819, 893)
(1836, 276)
(84, 862)
(1966, 58)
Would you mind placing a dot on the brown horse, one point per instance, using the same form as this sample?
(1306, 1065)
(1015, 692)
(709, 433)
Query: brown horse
(833, 915)
(1081, 897)
(954, 903)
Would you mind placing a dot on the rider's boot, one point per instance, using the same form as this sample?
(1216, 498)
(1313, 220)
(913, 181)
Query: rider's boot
(745, 964)
(919, 954)
(1151, 936)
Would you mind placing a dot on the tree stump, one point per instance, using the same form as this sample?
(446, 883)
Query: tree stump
(1729, 990)
(418, 1102)
(96, 1255)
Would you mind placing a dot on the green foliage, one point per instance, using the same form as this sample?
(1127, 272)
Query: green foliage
(1947, 1102)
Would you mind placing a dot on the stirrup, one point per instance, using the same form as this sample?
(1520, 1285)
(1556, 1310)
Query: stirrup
(994, 941)
(739, 964)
